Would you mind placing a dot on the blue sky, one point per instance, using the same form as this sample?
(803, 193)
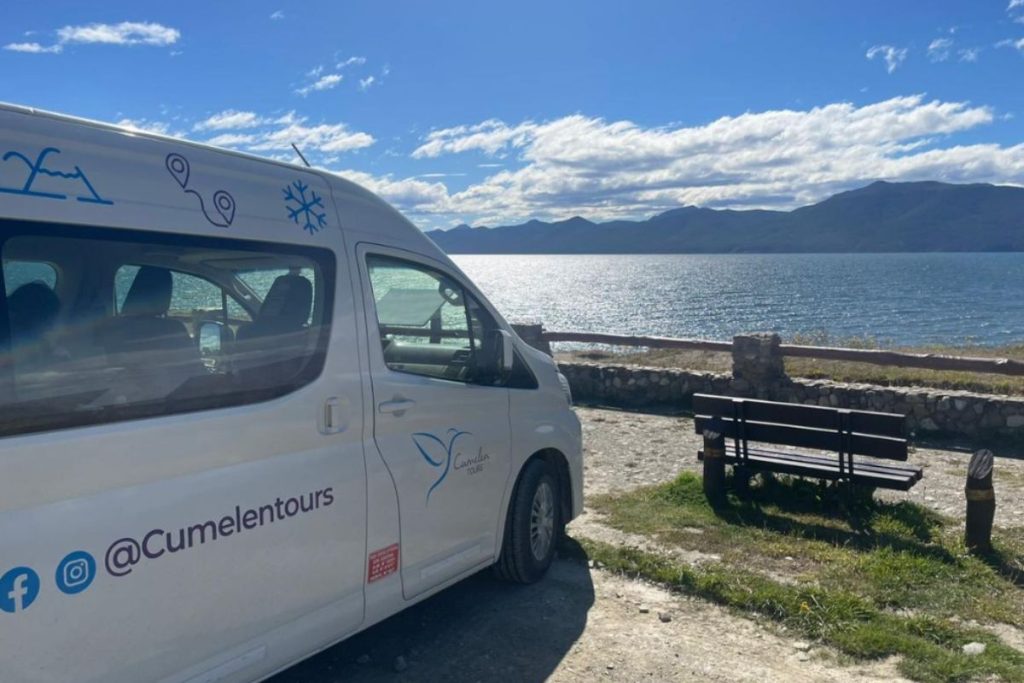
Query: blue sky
(493, 113)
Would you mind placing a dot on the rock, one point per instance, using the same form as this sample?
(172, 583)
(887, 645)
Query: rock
(1015, 421)
(644, 609)
(973, 649)
(801, 646)
(363, 659)
(928, 424)
(665, 617)
(590, 564)
(803, 656)
(400, 664)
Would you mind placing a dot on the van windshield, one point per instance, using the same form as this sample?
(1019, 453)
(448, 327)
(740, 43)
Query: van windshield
(117, 324)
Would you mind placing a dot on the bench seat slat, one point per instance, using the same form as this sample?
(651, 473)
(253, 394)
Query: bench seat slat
(916, 472)
(897, 479)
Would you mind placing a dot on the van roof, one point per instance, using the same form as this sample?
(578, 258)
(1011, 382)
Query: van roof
(155, 202)
(66, 118)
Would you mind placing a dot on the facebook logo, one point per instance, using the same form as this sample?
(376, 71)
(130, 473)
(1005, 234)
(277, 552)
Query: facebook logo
(19, 588)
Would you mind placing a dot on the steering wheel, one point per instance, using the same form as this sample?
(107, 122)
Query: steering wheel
(450, 292)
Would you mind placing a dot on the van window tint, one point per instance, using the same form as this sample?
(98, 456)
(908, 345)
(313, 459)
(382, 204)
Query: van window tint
(18, 273)
(260, 281)
(191, 296)
(429, 325)
(148, 325)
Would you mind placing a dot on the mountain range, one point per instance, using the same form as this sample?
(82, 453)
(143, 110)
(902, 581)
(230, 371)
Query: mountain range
(880, 217)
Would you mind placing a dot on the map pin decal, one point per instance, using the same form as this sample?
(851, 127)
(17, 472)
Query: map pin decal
(178, 167)
(225, 205)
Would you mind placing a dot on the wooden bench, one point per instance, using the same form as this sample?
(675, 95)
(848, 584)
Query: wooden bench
(843, 432)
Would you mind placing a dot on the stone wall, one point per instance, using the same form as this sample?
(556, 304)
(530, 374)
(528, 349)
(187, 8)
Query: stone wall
(629, 386)
(758, 372)
(929, 411)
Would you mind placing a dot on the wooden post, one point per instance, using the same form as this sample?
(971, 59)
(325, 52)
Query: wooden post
(714, 461)
(981, 503)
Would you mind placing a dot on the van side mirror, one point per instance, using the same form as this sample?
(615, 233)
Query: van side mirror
(507, 349)
(496, 362)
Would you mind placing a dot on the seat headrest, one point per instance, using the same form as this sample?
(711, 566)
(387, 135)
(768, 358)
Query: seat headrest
(150, 293)
(31, 309)
(288, 302)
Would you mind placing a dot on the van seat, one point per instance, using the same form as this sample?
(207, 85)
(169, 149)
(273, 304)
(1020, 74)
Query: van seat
(142, 324)
(32, 310)
(285, 309)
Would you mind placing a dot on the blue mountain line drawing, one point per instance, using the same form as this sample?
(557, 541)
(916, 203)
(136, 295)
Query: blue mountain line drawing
(35, 168)
(445, 448)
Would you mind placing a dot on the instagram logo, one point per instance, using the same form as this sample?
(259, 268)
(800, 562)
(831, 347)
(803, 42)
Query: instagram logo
(76, 572)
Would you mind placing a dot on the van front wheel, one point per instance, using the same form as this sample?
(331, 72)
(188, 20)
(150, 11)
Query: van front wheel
(532, 526)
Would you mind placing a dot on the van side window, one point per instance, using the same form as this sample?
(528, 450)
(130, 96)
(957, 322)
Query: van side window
(193, 298)
(145, 324)
(18, 273)
(429, 324)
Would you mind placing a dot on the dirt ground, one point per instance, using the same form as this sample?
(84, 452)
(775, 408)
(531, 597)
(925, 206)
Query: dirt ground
(583, 624)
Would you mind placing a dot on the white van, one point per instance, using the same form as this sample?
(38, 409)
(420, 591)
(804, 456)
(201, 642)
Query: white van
(246, 410)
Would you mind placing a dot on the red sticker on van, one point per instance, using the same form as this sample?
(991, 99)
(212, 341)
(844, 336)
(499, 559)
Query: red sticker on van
(382, 563)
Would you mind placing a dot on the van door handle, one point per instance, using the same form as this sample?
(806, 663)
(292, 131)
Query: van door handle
(335, 416)
(396, 406)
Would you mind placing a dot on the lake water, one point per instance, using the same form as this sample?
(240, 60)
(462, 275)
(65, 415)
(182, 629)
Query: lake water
(894, 298)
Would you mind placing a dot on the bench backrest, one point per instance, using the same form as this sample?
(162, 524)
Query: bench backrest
(849, 432)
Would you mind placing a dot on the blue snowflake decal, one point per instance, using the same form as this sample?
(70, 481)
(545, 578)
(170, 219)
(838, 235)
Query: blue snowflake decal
(305, 207)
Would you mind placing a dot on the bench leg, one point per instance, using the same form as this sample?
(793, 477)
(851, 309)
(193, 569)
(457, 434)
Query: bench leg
(741, 480)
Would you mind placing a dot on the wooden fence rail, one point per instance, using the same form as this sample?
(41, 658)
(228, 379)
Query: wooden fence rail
(927, 361)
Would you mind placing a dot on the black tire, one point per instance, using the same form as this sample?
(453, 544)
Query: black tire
(518, 561)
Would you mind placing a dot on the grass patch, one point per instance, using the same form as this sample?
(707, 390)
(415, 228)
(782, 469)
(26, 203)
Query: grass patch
(929, 647)
(839, 371)
(868, 577)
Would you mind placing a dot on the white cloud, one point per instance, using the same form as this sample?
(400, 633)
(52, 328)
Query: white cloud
(277, 16)
(33, 48)
(124, 33)
(323, 83)
(969, 54)
(231, 140)
(893, 56)
(1009, 42)
(251, 132)
(146, 126)
(322, 138)
(938, 50)
(365, 83)
(489, 137)
(352, 61)
(410, 195)
(230, 119)
(773, 159)
(1014, 4)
